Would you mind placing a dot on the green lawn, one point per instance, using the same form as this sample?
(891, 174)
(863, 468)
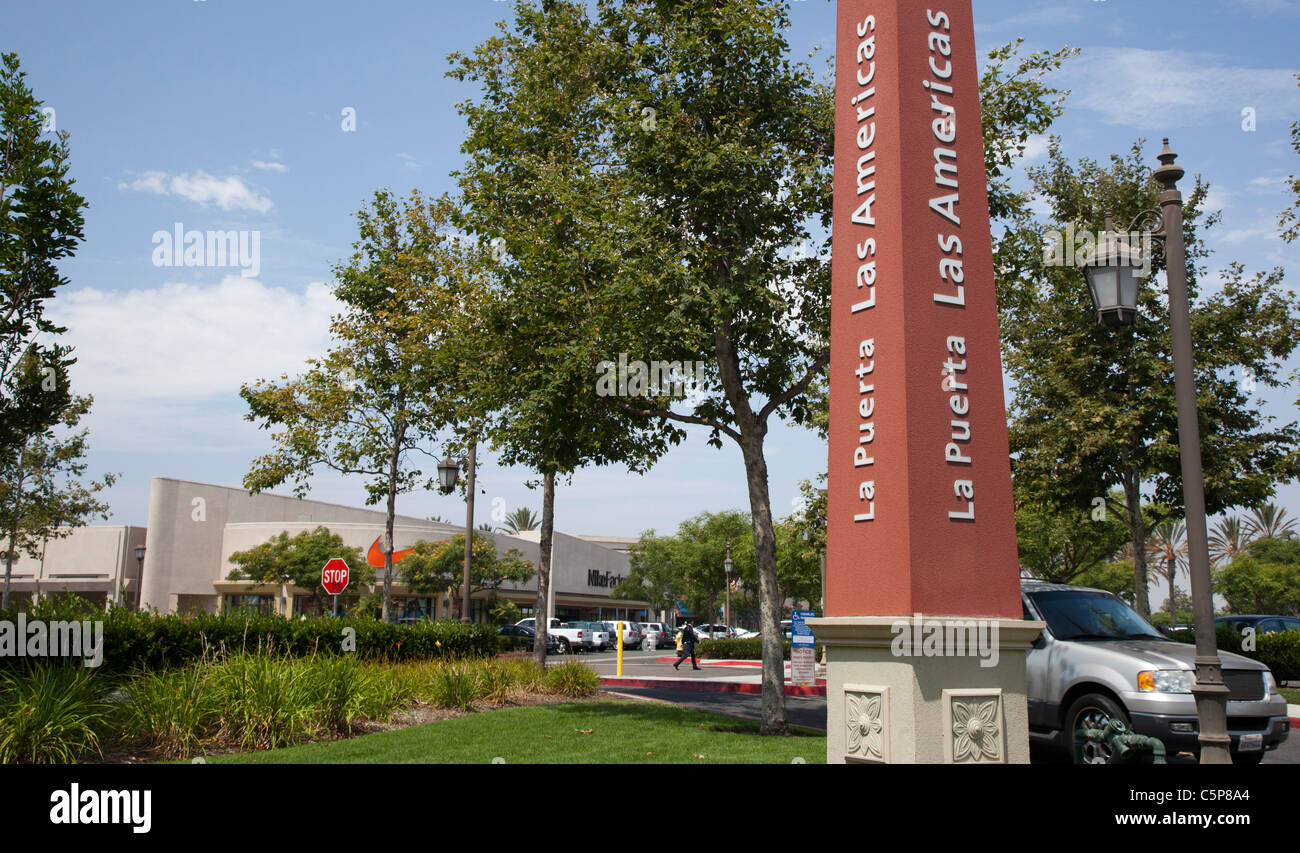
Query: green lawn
(1292, 694)
(620, 733)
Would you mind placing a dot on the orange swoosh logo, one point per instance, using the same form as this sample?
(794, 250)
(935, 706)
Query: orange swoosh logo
(375, 557)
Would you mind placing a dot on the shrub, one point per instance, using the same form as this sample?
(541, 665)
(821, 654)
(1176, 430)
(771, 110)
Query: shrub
(455, 685)
(50, 714)
(1280, 652)
(172, 710)
(266, 701)
(135, 640)
(497, 682)
(572, 679)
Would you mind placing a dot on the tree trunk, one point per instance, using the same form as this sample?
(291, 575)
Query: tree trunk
(760, 507)
(1138, 533)
(541, 618)
(391, 513)
(9, 567)
(1173, 603)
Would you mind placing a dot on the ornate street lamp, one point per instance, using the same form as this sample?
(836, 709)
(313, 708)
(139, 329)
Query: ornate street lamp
(727, 566)
(448, 475)
(1114, 293)
(1112, 274)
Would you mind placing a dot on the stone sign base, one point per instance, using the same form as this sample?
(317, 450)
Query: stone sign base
(898, 696)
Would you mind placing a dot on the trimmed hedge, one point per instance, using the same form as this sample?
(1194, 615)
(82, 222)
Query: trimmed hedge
(1280, 651)
(150, 640)
(747, 649)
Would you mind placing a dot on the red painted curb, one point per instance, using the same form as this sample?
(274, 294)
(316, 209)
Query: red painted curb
(711, 686)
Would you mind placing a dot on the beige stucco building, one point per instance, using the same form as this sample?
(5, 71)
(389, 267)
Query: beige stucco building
(193, 529)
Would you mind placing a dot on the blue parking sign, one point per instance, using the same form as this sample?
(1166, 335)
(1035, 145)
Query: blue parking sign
(800, 633)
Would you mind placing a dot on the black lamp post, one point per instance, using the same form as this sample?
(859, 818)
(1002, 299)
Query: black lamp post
(727, 566)
(1113, 286)
(448, 475)
(139, 559)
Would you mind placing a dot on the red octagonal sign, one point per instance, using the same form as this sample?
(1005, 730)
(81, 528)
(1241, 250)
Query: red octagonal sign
(334, 577)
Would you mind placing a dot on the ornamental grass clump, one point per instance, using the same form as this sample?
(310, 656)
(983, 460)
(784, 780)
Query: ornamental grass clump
(51, 714)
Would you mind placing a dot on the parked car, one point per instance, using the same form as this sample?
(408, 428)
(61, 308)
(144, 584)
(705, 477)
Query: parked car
(571, 639)
(713, 632)
(631, 632)
(1261, 624)
(658, 635)
(520, 638)
(1098, 659)
(743, 634)
(601, 639)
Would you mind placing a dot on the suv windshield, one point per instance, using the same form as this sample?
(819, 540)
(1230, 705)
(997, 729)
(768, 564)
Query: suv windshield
(1087, 615)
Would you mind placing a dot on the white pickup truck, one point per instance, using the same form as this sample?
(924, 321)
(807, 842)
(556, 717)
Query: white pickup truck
(571, 639)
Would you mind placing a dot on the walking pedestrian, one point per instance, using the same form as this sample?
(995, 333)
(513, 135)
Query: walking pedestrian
(686, 641)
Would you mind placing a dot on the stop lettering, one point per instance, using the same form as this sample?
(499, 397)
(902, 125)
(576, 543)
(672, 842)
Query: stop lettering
(334, 577)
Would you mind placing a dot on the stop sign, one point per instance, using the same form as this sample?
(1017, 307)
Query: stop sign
(334, 577)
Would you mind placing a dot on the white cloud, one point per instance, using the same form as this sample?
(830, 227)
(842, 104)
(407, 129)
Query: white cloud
(1154, 90)
(229, 193)
(408, 161)
(278, 168)
(1035, 146)
(1215, 199)
(165, 364)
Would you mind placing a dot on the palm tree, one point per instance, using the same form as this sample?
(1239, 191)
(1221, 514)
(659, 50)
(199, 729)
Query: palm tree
(522, 519)
(1167, 548)
(1269, 522)
(1230, 538)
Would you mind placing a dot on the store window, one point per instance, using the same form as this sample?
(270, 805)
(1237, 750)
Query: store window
(261, 605)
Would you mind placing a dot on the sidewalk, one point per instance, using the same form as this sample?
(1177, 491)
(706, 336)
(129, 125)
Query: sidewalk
(742, 676)
(1293, 711)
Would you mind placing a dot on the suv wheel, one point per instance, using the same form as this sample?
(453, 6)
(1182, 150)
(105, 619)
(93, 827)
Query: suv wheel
(1093, 710)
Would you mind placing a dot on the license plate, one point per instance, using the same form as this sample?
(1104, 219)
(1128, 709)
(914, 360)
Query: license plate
(1250, 743)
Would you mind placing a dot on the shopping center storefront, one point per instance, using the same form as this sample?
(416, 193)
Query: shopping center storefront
(194, 528)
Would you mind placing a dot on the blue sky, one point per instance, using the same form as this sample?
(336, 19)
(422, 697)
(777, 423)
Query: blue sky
(228, 114)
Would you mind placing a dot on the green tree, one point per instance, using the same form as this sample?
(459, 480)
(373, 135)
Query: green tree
(298, 560)
(1289, 221)
(1181, 616)
(42, 494)
(374, 404)
(1093, 407)
(535, 197)
(1267, 521)
(41, 223)
(690, 564)
(521, 519)
(1266, 579)
(1115, 577)
(1228, 539)
(1016, 103)
(435, 567)
(668, 125)
(1167, 550)
(1057, 544)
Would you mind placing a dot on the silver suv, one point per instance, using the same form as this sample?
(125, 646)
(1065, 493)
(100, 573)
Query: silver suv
(1099, 659)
